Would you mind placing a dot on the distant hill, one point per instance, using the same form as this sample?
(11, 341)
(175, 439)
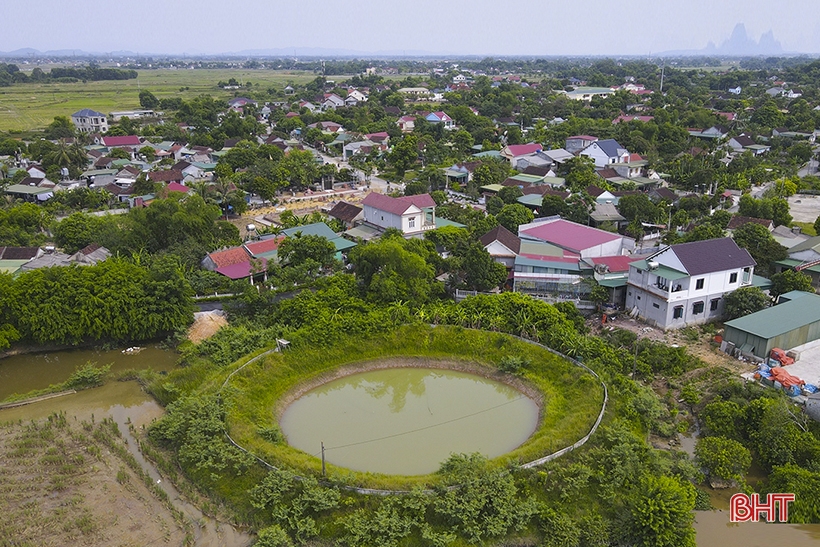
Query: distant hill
(739, 44)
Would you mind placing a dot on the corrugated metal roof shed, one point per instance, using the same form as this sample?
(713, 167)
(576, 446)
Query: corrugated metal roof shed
(780, 319)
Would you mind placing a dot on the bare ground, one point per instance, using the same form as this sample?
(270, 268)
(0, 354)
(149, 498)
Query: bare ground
(63, 485)
(205, 325)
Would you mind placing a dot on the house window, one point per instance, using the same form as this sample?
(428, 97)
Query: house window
(656, 305)
(713, 304)
(677, 313)
(412, 222)
(699, 284)
(697, 307)
(733, 277)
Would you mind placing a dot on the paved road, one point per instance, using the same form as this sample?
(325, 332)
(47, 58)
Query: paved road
(376, 183)
(809, 169)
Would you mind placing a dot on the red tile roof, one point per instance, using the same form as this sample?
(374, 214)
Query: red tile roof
(264, 246)
(421, 200)
(614, 263)
(523, 149)
(241, 270)
(569, 235)
(385, 203)
(165, 176)
(128, 140)
(228, 257)
(176, 187)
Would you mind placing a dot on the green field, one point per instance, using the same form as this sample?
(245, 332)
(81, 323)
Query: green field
(27, 107)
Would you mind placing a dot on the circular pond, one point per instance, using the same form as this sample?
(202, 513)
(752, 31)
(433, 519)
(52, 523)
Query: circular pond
(406, 421)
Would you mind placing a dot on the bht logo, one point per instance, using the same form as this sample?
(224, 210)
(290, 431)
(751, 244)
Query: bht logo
(743, 508)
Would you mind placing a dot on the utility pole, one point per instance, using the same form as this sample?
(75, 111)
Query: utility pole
(323, 458)
(663, 68)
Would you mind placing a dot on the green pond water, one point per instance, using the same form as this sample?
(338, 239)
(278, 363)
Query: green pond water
(407, 421)
(30, 371)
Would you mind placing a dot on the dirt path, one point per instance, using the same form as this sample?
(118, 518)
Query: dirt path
(207, 531)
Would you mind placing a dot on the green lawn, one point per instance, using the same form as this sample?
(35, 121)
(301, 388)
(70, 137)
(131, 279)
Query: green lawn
(26, 107)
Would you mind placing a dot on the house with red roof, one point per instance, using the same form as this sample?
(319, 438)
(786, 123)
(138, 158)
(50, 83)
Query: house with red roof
(442, 118)
(685, 284)
(578, 239)
(513, 151)
(406, 123)
(413, 215)
(125, 141)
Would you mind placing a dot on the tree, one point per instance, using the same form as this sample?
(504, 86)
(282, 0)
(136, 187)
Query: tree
(148, 153)
(483, 502)
(512, 216)
(495, 204)
(744, 301)
(148, 100)
(638, 207)
(580, 173)
(760, 243)
(482, 272)
(660, 513)
(404, 154)
(390, 271)
(60, 128)
(790, 280)
(817, 225)
(510, 194)
(76, 231)
(297, 249)
(724, 458)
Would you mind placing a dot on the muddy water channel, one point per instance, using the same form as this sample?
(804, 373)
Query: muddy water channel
(125, 402)
(407, 421)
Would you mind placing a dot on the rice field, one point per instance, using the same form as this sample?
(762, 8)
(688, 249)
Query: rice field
(29, 107)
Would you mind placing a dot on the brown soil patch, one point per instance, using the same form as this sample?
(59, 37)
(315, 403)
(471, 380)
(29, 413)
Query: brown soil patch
(62, 485)
(413, 362)
(205, 325)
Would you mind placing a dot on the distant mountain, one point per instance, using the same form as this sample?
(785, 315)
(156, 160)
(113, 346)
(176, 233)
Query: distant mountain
(739, 44)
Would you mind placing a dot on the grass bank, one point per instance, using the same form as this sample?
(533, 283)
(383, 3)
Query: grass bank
(570, 398)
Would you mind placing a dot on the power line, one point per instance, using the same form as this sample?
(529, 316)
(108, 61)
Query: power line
(425, 427)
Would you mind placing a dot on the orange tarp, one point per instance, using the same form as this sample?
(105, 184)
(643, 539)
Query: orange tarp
(786, 379)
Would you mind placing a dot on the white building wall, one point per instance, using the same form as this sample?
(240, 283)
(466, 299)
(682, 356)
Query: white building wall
(382, 218)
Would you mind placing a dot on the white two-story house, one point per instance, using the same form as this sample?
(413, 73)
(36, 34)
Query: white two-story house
(413, 215)
(685, 284)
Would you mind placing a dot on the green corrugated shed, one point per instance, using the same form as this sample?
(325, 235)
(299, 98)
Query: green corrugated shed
(785, 326)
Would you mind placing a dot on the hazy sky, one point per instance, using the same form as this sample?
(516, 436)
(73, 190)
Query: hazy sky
(502, 27)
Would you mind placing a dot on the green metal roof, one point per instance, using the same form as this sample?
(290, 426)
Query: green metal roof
(761, 282)
(342, 244)
(780, 319)
(492, 188)
(488, 154)
(662, 271)
(442, 222)
(315, 229)
(555, 181)
(11, 266)
(791, 263)
(527, 178)
(613, 282)
(533, 200)
(363, 231)
(24, 189)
